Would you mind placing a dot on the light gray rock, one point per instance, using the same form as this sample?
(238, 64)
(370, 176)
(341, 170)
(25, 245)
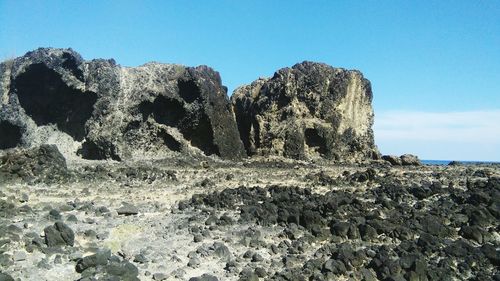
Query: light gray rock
(310, 110)
(19, 256)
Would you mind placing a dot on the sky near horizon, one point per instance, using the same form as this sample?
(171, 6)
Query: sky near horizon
(434, 65)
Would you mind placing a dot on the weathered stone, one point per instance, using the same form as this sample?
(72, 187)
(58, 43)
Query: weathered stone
(98, 259)
(44, 163)
(59, 234)
(5, 277)
(194, 262)
(310, 110)
(127, 210)
(124, 270)
(104, 111)
(160, 276)
(204, 277)
(334, 266)
(19, 256)
(222, 251)
(394, 160)
(410, 160)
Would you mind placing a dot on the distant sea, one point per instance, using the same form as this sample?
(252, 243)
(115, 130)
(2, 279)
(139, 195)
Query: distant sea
(446, 162)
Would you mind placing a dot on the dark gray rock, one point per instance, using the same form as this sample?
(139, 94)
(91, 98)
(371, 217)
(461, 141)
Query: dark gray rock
(310, 110)
(42, 163)
(5, 277)
(222, 251)
(491, 253)
(116, 112)
(54, 214)
(140, 258)
(393, 160)
(122, 270)
(334, 266)
(194, 262)
(257, 257)
(127, 210)
(5, 260)
(7, 209)
(160, 276)
(98, 259)
(367, 232)
(260, 272)
(59, 234)
(340, 228)
(410, 160)
(204, 277)
(72, 218)
(472, 232)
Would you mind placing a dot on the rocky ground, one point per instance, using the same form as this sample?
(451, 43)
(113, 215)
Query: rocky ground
(206, 219)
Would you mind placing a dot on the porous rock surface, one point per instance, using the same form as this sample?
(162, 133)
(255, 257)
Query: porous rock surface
(100, 110)
(310, 110)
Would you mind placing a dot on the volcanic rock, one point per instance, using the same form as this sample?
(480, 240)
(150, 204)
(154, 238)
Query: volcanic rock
(308, 111)
(105, 111)
(127, 210)
(59, 234)
(410, 160)
(393, 160)
(43, 163)
(204, 277)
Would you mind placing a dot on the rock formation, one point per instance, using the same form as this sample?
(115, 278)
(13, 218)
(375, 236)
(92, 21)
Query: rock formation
(310, 110)
(403, 160)
(100, 110)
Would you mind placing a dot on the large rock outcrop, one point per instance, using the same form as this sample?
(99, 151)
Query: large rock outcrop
(100, 110)
(308, 111)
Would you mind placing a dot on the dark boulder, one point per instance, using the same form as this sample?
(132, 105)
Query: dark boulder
(45, 163)
(410, 160)
(59, 234)
(204, 277)
(393, 160)
(127, 210)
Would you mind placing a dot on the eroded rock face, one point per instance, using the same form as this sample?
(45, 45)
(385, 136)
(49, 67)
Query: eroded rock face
(307, 111)
(100, 110)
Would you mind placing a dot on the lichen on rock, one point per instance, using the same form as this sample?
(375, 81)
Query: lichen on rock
(310, 110)
(100, 110)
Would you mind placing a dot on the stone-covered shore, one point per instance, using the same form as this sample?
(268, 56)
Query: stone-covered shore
(257, 219)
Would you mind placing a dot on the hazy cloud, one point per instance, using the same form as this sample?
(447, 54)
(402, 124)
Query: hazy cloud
(473, 135)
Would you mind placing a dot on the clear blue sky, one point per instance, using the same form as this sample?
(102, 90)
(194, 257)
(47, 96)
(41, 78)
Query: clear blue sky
(421, 56)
